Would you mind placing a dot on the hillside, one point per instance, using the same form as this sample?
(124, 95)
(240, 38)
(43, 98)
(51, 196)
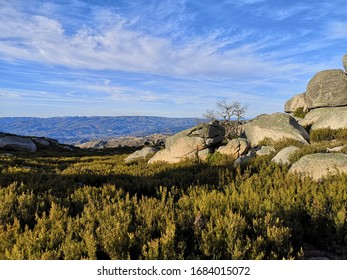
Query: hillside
(277, 190)
(81, 129)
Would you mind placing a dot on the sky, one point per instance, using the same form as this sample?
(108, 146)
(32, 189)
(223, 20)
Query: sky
(171, 58)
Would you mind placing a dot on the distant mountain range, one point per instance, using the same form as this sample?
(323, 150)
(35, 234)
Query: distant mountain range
(73, 130)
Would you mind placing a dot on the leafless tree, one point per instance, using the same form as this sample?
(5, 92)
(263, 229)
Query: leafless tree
(211, 115)
(238, 110)
(227, 110)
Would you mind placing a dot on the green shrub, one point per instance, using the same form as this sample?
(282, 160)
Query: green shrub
(328, 134)
(97, 207)
(280, 144)
(300, 113)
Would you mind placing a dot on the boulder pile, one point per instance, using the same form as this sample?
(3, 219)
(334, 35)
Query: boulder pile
(325, 105)
(195, 142)
(325, 100)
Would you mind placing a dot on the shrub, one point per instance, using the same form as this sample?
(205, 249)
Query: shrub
(280, 144)
(300, 113)
(189, 210)
(328, 134)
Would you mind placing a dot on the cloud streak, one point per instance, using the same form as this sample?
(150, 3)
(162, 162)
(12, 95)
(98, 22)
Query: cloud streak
(165, 53)
(117, 43)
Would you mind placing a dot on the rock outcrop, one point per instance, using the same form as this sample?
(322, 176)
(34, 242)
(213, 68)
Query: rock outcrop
(327, 88)
(344, 62)
(145, 152)
(235, 148)
(325, 100)
(283, 155)
(320, 165)
(17, 143)
(127, 141)
(297, 101)
(11, 142)
(275, 126)
(190, 143)
(333, 118)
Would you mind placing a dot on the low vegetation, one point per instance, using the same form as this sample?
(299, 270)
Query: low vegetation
(300, 112)
(94, 206)
(327, 134)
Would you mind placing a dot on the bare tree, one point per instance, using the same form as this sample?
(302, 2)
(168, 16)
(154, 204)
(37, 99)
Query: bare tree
(227, 110)
(211, 115)
(239, 110)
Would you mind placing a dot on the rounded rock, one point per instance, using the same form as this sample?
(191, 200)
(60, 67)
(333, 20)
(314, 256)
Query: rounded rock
(327, 88)
(344, 62)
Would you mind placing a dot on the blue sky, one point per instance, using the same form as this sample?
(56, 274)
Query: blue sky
(173, 58)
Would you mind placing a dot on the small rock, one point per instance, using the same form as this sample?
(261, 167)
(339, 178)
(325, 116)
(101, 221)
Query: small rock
(141, 154)
(335, 149)
(203, 154)
(265, 150)
(283, 155)
(243, 160)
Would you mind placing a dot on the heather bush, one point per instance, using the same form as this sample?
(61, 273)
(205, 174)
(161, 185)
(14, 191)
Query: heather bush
(328, 134)
(94, 206)
(300, 112)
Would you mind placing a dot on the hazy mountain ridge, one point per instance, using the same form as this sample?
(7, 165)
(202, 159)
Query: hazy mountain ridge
(82, 129)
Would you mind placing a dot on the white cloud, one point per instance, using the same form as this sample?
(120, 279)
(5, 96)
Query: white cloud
(159, 41)
(120, 45)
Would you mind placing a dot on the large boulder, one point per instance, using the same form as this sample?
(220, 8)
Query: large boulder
(297, 101)
(17, 143)
(282, 157)
(327, 88)
(344, 62)
(276, 126)
(190, 143)
(320, 165)
(333, 118)
(145, 152)
(235, 148)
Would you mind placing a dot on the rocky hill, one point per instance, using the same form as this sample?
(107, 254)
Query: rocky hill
(322, 106)
(71, 130)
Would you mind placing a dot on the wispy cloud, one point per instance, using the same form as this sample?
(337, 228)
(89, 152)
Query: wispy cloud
(336, 30)
(165, 52)
(118, 43)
